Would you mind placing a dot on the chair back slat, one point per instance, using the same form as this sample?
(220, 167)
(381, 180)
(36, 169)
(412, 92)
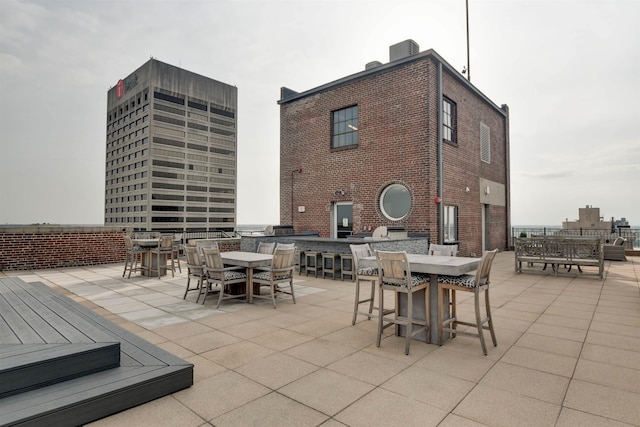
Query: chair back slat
(212, 258)
(285, 245)
(393, 267)
(443, 250)
(193, 257)
(166, 242)
(283, 258)
(484, 270)
(266, 248)
(360, 251)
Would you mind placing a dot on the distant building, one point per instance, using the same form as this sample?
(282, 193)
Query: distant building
(171, 151)
(410, 144)
(589, 219)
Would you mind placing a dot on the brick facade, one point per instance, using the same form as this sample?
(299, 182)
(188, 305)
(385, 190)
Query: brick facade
(32, 248)
(41, 247)
(397, 143)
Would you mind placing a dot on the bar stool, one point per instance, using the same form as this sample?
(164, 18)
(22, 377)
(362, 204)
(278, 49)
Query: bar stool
(301, 262)
(330, 264)
(313, 263)
(346, 267)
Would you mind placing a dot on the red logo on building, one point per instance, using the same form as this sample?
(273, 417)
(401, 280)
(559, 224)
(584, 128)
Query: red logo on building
(119, 89)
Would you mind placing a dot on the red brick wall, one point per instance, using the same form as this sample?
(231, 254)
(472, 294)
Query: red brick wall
(397, 143)
(30, 251)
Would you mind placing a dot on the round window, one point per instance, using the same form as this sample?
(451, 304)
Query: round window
(395, 202)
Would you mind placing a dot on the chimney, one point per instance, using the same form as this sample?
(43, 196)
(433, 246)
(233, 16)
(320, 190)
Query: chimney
(403, 50)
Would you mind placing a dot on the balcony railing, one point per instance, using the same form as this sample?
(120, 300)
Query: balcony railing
(631, 235)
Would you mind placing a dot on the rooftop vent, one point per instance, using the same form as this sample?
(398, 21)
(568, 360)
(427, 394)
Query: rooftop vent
(403, 49)
(372, 64)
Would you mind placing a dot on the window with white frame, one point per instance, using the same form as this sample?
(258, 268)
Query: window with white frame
(450, 217)
(344, 132)
(485, 143)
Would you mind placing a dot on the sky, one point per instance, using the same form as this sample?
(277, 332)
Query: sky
(569, 70)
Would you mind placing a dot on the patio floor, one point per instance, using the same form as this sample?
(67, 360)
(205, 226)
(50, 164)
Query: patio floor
(568, 353)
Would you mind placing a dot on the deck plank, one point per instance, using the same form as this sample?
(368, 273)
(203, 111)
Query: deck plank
(31, 314)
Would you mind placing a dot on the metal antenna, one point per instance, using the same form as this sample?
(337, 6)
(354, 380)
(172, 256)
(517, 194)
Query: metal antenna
(468, 61)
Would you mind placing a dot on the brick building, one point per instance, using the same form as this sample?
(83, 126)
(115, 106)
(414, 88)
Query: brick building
(409, 144)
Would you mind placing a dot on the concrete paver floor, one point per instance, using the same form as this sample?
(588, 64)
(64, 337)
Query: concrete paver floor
(568, 353)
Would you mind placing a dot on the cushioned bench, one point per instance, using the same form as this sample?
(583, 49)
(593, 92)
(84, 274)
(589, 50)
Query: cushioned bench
(615, 252)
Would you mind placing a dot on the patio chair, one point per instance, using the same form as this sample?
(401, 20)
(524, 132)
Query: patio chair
(164, 252)
(395, 274)
(363, 275)
(443, 250)
(177, 247)
(195, 270)
(266, 248)
(281, 271)
(134, 255)
(467, 283)
(615, 251)
(217, 273)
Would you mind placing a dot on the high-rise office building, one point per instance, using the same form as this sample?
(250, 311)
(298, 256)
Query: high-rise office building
(171, 151)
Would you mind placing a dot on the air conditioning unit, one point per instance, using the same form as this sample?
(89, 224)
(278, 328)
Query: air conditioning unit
(403, 50)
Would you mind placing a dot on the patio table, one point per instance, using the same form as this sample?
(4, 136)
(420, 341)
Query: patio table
(432, 265)
(249, 260)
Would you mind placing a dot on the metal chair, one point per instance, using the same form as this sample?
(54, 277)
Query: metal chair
(467, 283)
(363, 275)
(216, 272)
(395, 274)
(281, 271)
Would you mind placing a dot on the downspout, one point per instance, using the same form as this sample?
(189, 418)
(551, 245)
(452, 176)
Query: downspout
(440, 179)
(507, 163)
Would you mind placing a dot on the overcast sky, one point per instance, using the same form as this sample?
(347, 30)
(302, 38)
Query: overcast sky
(568, 69)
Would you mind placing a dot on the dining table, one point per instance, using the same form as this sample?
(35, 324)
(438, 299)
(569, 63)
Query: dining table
(249, 260)
(433, 265)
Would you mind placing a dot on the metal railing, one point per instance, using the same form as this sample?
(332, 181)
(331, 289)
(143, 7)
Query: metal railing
(631, 235)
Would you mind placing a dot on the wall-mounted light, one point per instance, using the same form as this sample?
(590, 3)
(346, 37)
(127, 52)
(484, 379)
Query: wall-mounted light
(339, 193)
(487, 190)
(466, 189)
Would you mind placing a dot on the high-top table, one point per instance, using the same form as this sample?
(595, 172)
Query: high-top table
(249, 260)
(432, 265)
(148, 260)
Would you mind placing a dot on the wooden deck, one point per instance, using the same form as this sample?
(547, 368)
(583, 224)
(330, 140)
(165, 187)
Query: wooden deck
(61, 364)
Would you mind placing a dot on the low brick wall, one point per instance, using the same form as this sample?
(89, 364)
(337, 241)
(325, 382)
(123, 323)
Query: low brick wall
(225, 245)
(37, 247)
